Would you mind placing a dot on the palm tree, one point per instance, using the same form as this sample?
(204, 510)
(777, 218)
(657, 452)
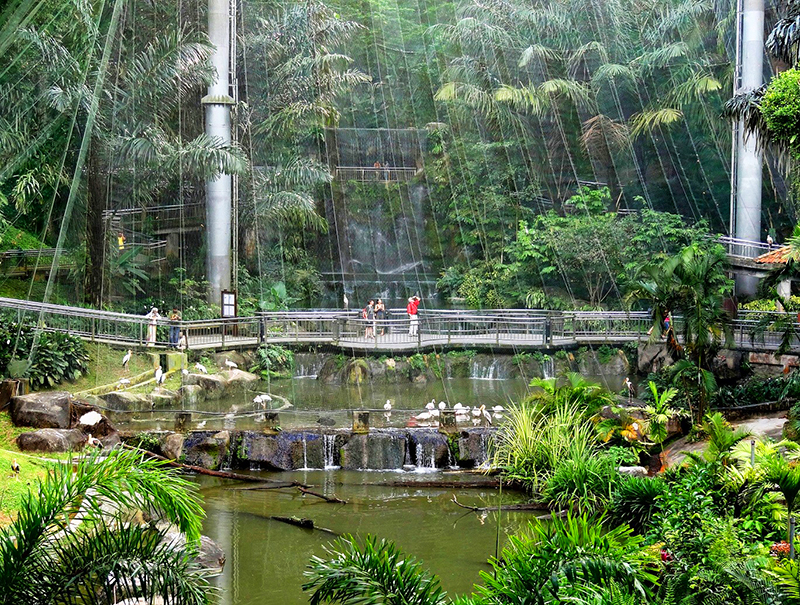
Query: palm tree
(74, 540)
(691, 284)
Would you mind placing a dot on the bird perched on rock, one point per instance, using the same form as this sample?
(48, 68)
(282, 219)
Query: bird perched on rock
(231, 364)
(160, 376)
(123, 382)
(15, 468)
(126, 359)
(185, 372)
(92, 441)
(201, 368)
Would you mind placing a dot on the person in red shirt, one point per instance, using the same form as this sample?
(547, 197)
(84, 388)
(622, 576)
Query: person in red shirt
(411, 308)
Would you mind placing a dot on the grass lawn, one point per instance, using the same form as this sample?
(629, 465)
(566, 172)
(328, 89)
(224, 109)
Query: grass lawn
(32, 469)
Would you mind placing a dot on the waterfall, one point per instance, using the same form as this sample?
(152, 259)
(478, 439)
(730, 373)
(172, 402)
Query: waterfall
(329, 444)
(305, 453)
(484, 456)
(479, 370)
(548, 367)
(308, 365)
(425, 456)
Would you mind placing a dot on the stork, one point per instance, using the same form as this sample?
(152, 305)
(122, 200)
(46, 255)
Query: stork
(126, 359)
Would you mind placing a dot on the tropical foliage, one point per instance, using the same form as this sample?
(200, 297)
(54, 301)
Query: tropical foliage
(75, 539)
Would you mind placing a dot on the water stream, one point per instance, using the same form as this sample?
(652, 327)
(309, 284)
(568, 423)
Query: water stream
(266, 558)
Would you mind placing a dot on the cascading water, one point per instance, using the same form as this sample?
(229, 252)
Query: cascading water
(308, 365)
(480, 370)
(548, 367)
(305, 454)
(425, 456)
(329, 444)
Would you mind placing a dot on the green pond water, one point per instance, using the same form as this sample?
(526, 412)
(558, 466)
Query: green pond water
(315, 403)
(266, 558)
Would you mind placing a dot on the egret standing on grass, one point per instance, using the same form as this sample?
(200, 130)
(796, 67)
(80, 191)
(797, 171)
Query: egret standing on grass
(126, 359)
(15, 468)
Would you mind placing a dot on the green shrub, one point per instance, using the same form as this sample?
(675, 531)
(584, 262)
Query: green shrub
(780, 107)
(635, 502)
(273, 361)
(58, 357)
(583, 479)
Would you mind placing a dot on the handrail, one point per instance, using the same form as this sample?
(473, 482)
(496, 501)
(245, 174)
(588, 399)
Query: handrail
(346, 329)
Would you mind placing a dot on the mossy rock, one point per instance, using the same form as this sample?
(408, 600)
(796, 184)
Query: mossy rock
(356, 372)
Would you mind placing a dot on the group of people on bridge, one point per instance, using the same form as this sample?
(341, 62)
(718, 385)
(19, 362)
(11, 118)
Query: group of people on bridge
(375, 313)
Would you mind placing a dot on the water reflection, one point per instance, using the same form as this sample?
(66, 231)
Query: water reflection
(266, 558)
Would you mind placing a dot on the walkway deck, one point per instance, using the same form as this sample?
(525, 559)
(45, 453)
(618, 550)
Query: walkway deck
(438, 329)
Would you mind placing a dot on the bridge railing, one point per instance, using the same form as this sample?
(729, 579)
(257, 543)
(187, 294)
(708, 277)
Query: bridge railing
(744, 248)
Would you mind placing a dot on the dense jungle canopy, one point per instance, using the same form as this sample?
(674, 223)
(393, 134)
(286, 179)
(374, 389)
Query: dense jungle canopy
(530, 152)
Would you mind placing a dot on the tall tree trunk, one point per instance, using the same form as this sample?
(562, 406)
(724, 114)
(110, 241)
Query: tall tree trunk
(95, 229)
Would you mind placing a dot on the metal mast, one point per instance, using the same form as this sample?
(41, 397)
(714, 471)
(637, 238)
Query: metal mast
(749, 75)
(218, 125)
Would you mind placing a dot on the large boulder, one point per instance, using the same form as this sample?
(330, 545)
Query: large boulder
(473, 447)
(287, 450)
(42, 410)
(213, 385)
(163, 399)
(172, 446)
(378, 450)
(124, 401)
(191, 394)
(428, 448)
(206, 448)
(234, 356)
(51, 440)
(239, 379)
(653, 357)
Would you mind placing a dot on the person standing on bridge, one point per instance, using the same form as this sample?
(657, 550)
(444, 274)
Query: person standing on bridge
(380, 315)
(153, 316)
(368, 313)
(174, 328)
(412, 308)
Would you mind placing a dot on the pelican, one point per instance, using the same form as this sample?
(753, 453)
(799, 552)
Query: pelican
(476, 411)
(458, 407)
(126, 359)
(430, 405)
(90, 418)
(485, 415)
(388, 405)
(423, 416)
(231, 365)
(442, 405)
(15, 468)
(201, 368)
(498, 409)
(159, 375)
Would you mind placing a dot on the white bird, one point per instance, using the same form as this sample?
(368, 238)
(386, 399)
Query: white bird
(90, 418)
(476, 411)
(127, 358)
(15, 467)
(458, 407)
(498, 409)
(442, 405)
(159, 375)
(430, 405)
(201, 368)
(423, 416)
(485, 415)
(93, 441)
(124, 381)
(201, 425)
(345, 301)
(770, 241)
(388, 405)
(185, 372)
(435, 413)
(232, 365)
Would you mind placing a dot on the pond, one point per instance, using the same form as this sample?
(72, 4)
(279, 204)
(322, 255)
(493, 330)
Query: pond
(266, 558)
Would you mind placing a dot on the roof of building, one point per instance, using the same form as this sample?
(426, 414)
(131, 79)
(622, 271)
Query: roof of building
(779, 256)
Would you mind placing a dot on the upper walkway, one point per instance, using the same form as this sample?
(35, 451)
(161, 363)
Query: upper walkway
(494, 328)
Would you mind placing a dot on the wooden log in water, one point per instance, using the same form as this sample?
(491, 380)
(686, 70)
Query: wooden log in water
(510, 507)
(302, 523)
(333, 499)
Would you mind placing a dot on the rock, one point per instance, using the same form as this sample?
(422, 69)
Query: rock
(124, 401)
(163, 399)
(211, 555)
(727, 365)
(287, 450)
(633, 471)
(241, 379)
(653, 357)
(42, 410)
(473, 445)
(110, 441)
(191, 394)
(378, 450)
(356, 371)
(234, 356)
(213, 385)
(82, 415)
(428, 448)
(172, 446)
(206, 448)
(51, 440)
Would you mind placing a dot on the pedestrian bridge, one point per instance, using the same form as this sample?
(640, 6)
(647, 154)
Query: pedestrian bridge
(345, 330)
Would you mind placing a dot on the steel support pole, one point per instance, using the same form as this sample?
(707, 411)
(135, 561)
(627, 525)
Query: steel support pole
(218, 125)
(749, 158)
